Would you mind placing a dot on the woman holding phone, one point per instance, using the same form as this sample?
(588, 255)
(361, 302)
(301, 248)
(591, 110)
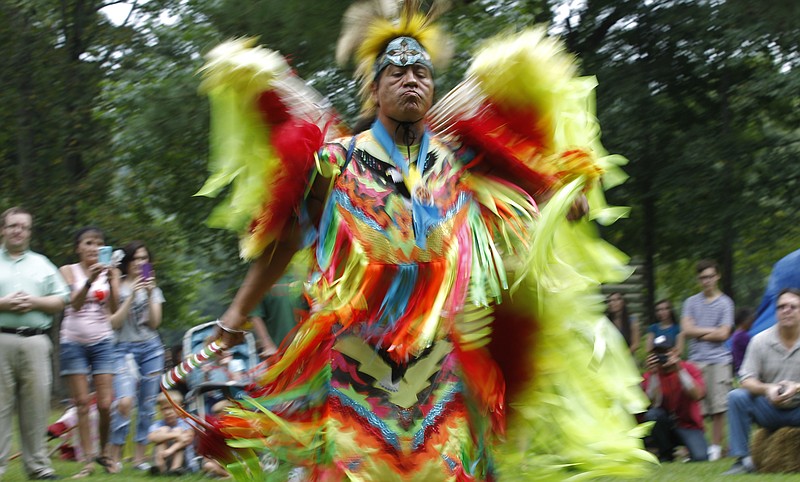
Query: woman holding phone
(139, 352)
(87, 340)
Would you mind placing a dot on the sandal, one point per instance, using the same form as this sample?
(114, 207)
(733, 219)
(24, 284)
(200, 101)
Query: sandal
(108, 465)
(86, 471)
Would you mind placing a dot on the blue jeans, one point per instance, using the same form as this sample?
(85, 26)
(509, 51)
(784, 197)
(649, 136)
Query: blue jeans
(744, 409)
(666, 435)
(149, 358)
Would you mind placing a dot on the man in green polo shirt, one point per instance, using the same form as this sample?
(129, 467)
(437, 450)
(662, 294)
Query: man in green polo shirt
(31, 291)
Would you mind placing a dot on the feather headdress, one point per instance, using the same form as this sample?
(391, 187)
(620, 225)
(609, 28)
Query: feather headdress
(369, 26)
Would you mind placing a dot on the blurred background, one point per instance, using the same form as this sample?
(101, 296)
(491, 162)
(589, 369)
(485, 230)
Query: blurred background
(102, 124)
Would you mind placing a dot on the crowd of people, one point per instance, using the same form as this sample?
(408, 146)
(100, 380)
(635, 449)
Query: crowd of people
(692, 365)
(111, 314)
(109, 350)
(110, 355)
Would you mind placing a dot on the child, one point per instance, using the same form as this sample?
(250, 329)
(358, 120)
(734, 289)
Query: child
(172, 438)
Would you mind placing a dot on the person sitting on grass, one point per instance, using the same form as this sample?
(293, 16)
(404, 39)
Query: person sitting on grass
(172, 438)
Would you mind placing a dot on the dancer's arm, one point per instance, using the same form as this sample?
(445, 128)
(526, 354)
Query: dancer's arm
(263, 273)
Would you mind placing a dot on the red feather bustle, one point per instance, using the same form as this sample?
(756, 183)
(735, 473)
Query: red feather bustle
(512, 144)
(273, 110)
(295, 142)
(513, 340)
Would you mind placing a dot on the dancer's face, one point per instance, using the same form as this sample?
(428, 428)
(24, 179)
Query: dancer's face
(404, 93)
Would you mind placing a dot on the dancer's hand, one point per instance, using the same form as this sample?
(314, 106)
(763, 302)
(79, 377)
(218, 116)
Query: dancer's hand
(579, 208)
(229, 335)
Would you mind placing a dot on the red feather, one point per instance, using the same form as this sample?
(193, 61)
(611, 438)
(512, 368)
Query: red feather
(513, 340)
(511, 143)
(273, 110)
(295, 143)
(211, 442)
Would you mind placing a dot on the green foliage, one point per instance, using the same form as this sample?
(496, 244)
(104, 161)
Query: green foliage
(696, 98)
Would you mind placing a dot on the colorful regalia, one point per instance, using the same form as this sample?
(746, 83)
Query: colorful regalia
(456, 329)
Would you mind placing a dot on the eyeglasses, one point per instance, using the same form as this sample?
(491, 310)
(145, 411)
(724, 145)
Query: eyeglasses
(21, 227)
(787, 307)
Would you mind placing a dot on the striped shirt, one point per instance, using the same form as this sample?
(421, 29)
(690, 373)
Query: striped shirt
(714, 314)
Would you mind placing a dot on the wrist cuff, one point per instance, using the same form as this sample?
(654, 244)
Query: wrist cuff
(227, 329)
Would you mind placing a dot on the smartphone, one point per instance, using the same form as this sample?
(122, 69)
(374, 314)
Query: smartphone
(104, 255)
(147, 270)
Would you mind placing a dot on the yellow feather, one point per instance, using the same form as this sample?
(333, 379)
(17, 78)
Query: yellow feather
(524, 69)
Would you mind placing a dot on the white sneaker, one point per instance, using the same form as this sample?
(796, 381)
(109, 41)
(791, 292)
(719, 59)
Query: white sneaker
(714, 453)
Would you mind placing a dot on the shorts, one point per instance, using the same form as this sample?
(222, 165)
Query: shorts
(719, 381)
(95, 358)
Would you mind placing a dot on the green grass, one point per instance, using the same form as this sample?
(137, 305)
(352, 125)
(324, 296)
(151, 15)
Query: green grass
(671, 472)
(701, 471)
(67, 469)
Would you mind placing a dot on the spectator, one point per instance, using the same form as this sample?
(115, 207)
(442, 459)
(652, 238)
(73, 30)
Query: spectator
(31, 291)
(674, 388)
(138, 351)
(741, 337)
(87, 341)
(666, 325)
(770, 379)
(171, 438)
(707, 322)
(627, 324)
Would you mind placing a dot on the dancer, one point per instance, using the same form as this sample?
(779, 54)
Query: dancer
(416, 362)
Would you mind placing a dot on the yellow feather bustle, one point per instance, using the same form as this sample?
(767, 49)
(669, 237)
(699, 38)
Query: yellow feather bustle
(369, 26)
(525, 68)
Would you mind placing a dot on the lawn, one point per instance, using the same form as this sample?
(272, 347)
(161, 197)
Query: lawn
(702, 471)
(671, 472)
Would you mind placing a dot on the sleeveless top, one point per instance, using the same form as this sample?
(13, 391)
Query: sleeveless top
(91, 323)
